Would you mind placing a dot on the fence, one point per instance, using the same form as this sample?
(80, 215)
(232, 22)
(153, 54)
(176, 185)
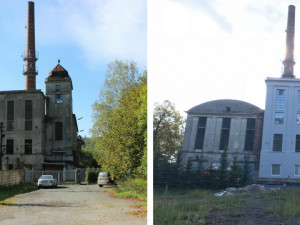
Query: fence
(62, 176)
(11, 177)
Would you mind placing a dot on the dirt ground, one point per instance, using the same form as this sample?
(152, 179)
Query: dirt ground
(252, 213)
(71, 204)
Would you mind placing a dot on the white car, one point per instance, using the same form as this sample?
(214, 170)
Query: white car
(47, 181)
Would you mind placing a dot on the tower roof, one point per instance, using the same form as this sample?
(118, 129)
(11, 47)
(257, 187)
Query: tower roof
(58, 72)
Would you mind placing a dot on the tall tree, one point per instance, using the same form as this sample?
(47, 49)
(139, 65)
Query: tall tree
(167, 130)
(120, 121)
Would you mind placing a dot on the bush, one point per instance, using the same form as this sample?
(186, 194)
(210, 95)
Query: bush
(91, 175)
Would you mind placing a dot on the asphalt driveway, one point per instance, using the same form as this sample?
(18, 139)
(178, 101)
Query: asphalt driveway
(70, 204)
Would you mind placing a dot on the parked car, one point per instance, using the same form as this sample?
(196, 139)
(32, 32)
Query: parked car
(47, 181)
(104, 179)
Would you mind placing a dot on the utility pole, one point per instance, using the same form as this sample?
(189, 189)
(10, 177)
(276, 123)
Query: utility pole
(2, 135)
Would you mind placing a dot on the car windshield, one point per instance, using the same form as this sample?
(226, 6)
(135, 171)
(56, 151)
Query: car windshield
(46, 177)
(103, 175)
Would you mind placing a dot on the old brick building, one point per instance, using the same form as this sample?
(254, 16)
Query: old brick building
(40, 129)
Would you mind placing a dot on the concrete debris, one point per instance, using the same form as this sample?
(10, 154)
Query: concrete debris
(249, 189)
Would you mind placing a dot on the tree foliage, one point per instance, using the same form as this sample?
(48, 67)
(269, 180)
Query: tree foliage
(120, 121)
(86, 155)
(167, 130)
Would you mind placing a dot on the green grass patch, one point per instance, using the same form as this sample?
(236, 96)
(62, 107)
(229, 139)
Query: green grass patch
(8, 192)
(132, 188)
(285, 203)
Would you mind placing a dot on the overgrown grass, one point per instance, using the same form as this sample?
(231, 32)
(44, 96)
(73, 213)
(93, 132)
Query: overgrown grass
(285, 203)
(132, 188)
(176, 207)
(8, 192)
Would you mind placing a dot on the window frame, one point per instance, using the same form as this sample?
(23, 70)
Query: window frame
(272, 169)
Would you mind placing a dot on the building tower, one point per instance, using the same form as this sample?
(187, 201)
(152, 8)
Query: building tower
(280, 152)
(30, 54)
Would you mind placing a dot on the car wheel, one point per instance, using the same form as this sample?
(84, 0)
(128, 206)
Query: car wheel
(100, 185)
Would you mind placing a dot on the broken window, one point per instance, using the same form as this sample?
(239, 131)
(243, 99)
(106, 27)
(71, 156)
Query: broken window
(58, 131)
(28, 146)
(28, 115)
(250, 131)
(58, 99)
(225, 134)
(277, 143)
(10, 116)
(200, 133)
(9, 146)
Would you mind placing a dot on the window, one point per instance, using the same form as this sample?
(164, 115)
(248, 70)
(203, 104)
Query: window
(279, 117)
(28, 146)
(297, 170)
(200, 133)
(10, 166)
(275, 169)
(298, 108)
(297, 147)
(249, 138)
(279, 106)
(10, 116)
(225, 134)
(58, 131)
(277, 143)
(58, 87)
(28, 115)
(58, 99)
(9, 146)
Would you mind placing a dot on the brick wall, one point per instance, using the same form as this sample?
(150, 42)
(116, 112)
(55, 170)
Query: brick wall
(11, 177)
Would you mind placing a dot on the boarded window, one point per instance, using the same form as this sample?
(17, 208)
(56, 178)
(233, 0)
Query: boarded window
(9, 146)
(250, 131)
(28, 146)
(58, 131)
(224, 140)
(277, 143)
(10, 116)
(200, 133)
(28, 115)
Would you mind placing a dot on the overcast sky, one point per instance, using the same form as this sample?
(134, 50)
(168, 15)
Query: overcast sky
(217, 49)
(84, 35)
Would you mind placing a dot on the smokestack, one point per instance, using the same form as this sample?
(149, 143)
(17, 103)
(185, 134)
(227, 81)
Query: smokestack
(30, 57)
(289, 62)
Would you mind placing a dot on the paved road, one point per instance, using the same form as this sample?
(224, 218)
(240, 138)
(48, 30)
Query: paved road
(72, 204)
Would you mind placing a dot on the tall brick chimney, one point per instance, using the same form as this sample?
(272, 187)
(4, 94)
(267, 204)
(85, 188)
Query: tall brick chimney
(289, 62)
(30, 54)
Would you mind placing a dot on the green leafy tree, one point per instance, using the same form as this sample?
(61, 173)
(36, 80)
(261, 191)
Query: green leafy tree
(167, 130)
(120, 121)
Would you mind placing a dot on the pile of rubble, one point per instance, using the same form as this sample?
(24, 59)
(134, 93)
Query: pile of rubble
(249, 189)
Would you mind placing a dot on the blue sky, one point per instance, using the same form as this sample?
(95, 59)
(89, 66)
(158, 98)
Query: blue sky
(217, 49)
(84, 35)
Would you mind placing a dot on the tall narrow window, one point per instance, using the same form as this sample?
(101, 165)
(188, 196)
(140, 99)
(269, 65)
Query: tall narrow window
(250, 131)
(225, 134)
(9, 146)
(297, 147)
(200, 133)
(298, 108)
(277, 143)
(28, 146)
(58, 131)
(279, 106)
(10, 116)
(58, 99)
(28, 115)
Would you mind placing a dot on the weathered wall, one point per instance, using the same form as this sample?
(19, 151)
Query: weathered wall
(11, 177)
